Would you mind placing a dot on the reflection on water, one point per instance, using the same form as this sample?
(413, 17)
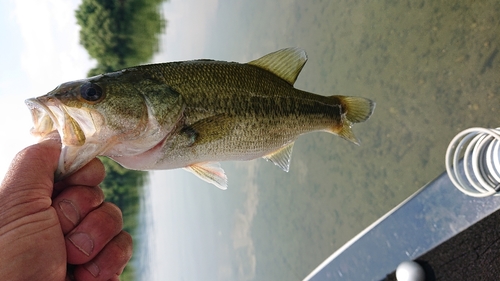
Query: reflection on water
(144, 237)
(430, 66)
(119, 34)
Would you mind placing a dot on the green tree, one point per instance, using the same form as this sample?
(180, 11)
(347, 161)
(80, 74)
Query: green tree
(120, 33)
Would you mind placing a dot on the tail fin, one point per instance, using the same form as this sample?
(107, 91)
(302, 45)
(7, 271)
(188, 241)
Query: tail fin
(357, 110)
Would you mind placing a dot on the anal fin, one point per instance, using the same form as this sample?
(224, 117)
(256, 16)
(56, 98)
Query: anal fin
(281, 157)
(210, 172)
(346, 133)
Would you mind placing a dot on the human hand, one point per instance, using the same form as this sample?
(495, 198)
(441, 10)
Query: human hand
(60, 231)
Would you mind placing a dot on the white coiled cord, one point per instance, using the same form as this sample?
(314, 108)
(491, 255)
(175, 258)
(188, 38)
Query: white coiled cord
(481, 163)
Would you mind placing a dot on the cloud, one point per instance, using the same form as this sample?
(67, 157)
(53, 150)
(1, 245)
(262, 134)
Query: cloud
(51, 53)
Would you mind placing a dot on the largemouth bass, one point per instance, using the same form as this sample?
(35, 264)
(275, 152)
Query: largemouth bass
(192, 115)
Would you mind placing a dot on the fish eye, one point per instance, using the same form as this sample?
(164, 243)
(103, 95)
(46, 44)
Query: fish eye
(90, 91)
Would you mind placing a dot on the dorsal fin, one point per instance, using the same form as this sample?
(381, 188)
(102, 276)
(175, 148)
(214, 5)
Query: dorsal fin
(285, 63)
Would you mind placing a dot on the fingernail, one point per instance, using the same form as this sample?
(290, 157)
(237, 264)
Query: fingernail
(92, 268)
(83, 242)
(69, 211)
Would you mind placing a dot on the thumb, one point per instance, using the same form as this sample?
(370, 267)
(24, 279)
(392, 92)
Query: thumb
(33, 170)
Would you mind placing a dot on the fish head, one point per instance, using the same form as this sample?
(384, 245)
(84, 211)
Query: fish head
(94, 108)
(93, 116)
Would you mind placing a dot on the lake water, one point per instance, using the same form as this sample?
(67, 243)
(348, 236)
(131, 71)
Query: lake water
(429, 65)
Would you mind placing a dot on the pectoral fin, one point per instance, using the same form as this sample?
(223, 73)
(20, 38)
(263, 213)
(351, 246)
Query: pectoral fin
(281, 157)
(210, 172)
(208, 129)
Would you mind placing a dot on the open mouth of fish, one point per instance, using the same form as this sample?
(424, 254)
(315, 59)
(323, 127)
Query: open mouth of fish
(75, 126)
(49, 114)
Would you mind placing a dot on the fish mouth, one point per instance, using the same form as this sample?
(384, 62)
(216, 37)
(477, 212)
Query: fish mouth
(74, 125)
(49, 114)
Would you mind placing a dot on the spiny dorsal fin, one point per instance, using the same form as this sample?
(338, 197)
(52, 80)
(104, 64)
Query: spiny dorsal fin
(210, 172)
(285, 63)
(281, 157)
